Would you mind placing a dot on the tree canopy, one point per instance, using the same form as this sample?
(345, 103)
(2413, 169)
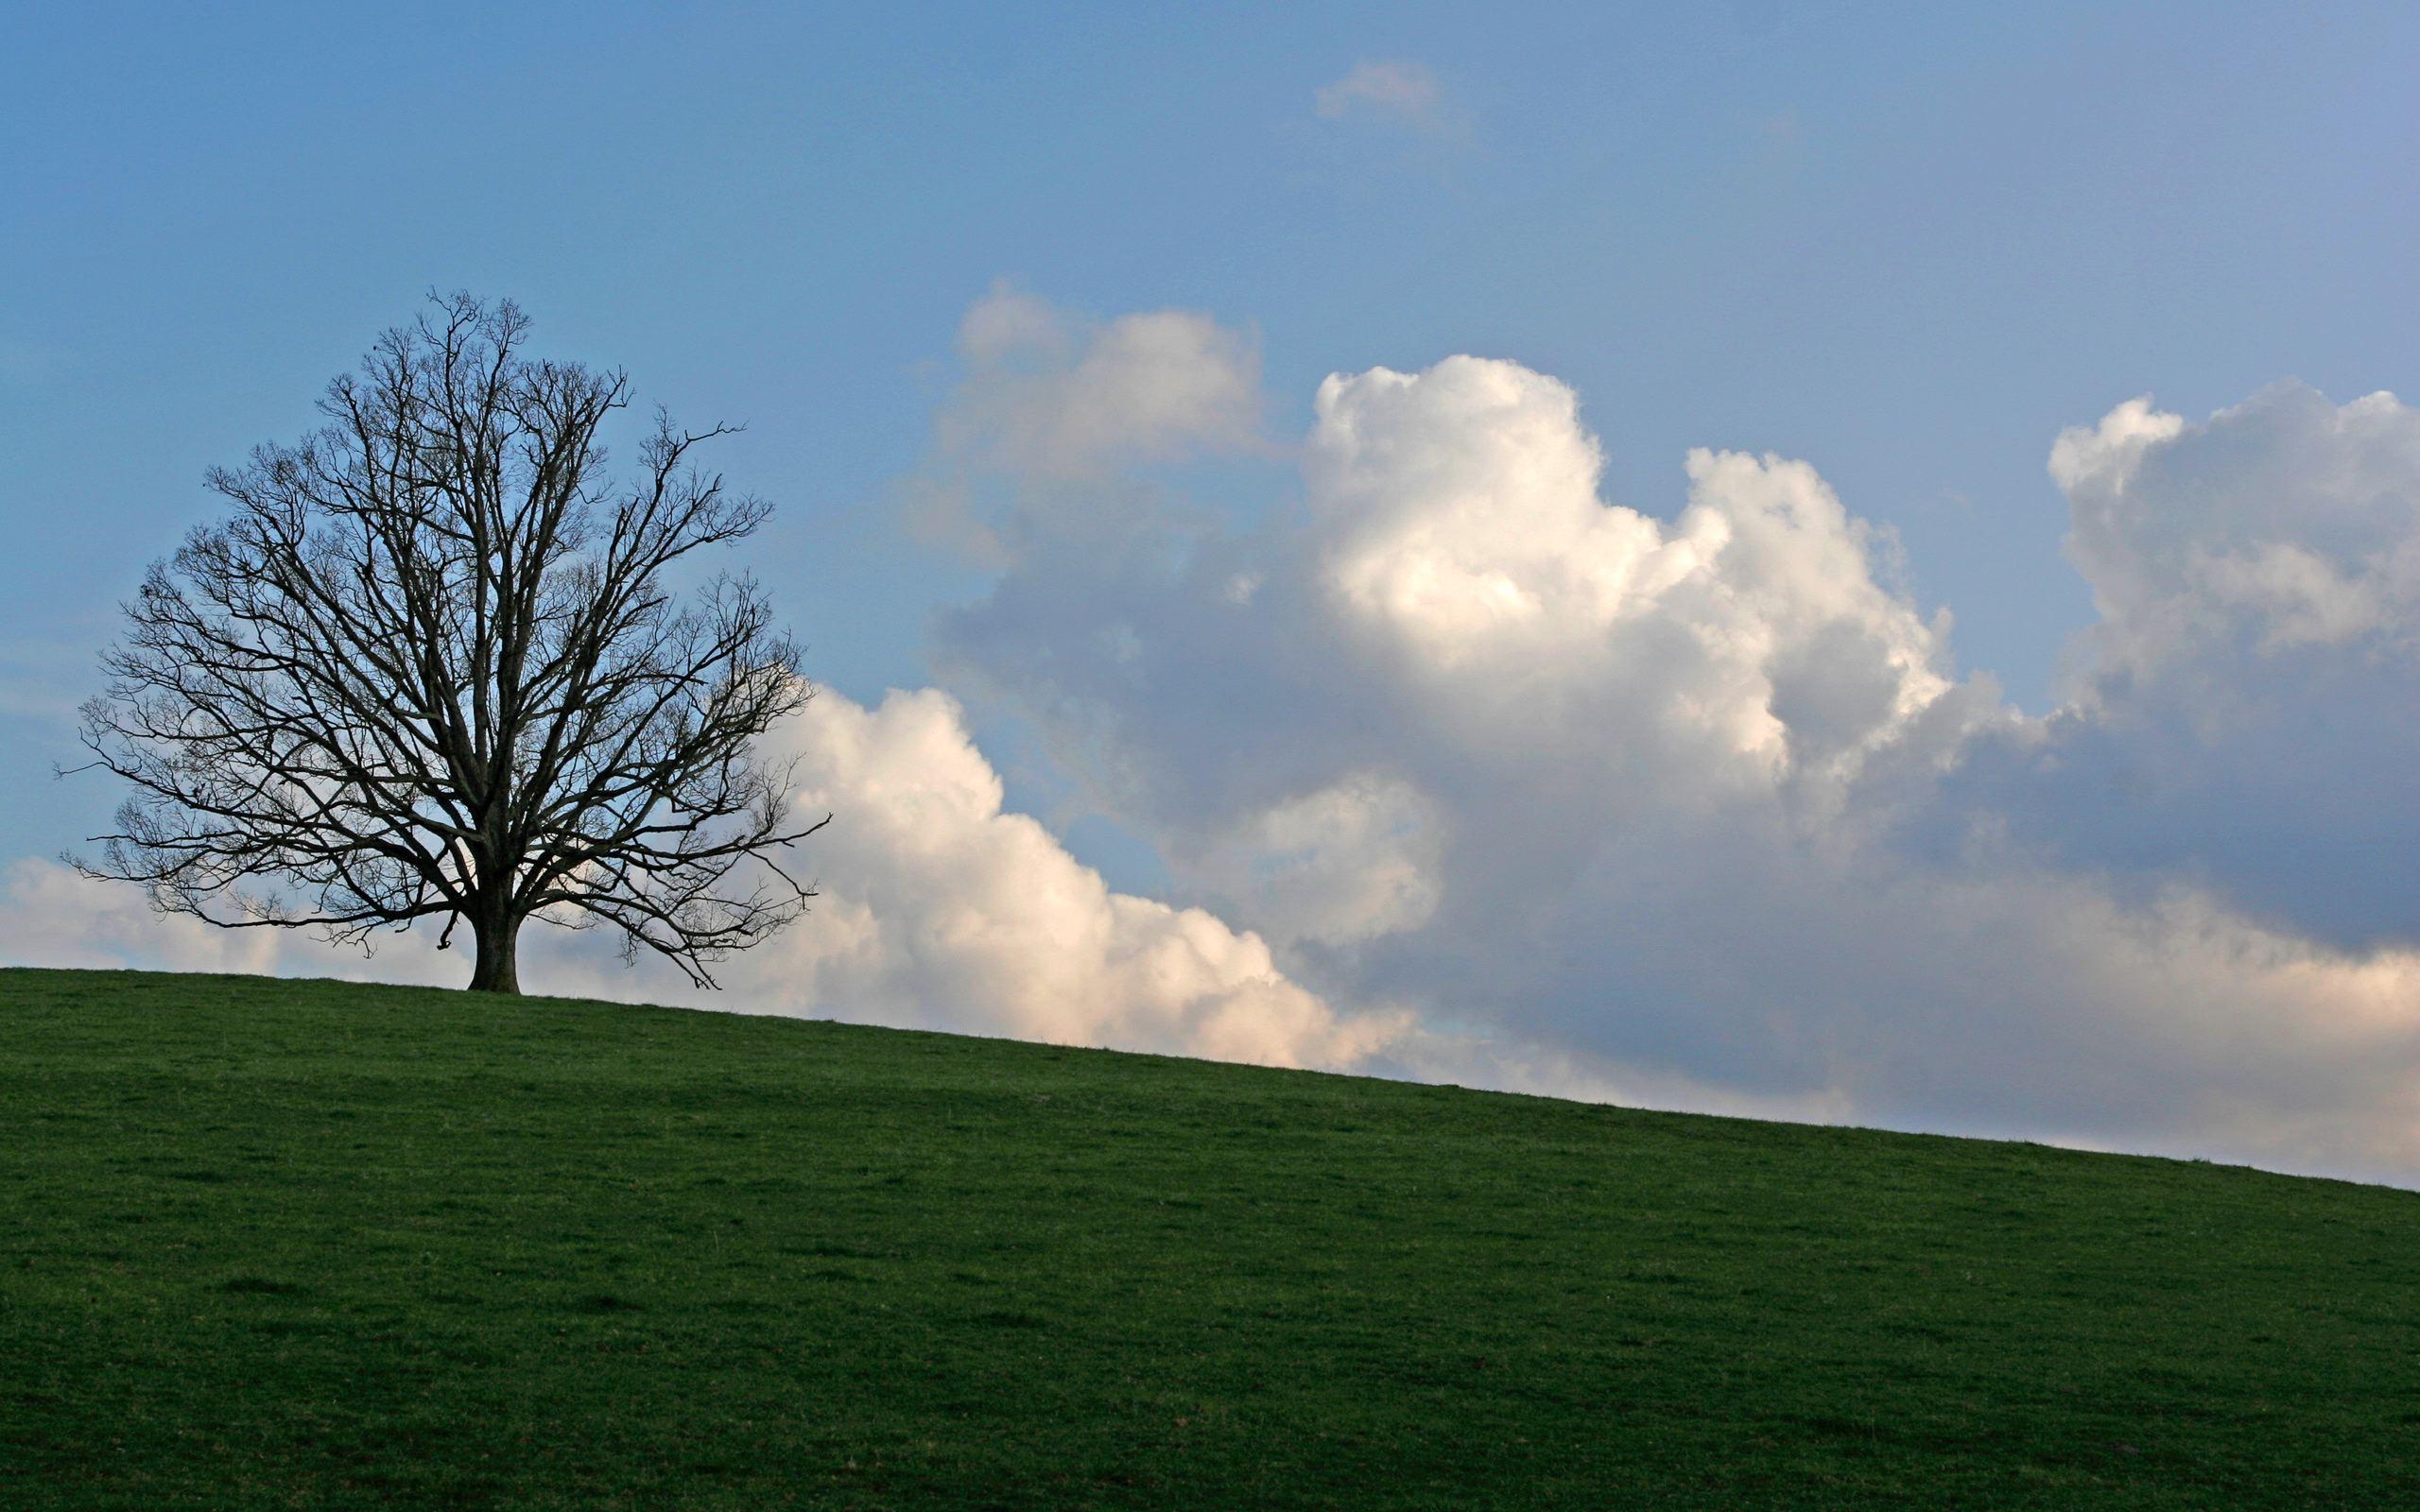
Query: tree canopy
(433, 667)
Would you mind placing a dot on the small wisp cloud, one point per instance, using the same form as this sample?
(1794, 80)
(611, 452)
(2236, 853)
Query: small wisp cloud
(1392, 90)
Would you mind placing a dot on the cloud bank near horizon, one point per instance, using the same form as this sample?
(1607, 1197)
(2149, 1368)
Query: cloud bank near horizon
(1464, 772)
(942, 912)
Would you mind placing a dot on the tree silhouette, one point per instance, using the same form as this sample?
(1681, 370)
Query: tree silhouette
(431, 668)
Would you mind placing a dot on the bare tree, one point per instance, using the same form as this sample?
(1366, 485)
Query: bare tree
(431, 668)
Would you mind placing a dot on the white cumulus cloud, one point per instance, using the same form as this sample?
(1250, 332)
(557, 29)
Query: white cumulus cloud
(1622, 801)
(2246, 712)
(943, 911)
(1061, 404)
(1047, 392)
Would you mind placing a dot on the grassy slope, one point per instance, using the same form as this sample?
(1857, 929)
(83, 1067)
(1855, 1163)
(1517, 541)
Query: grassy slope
(310, 1244)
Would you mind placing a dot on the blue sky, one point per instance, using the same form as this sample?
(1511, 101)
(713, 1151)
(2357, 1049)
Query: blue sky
(1907, 244)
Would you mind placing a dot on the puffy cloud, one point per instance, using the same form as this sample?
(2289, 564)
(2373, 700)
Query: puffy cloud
(1616, 801)
(1459, 535)
(2286, 522)
(1457, 612)
(1062, 406)
(943, 911)
(1352, 861)
(2246, 712)
(1051, 394)
(1394, 90)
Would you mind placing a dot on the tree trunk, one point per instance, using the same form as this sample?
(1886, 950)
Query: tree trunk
(496, 970)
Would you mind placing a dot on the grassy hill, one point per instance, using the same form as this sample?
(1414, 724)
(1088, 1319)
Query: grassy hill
(281, 1244)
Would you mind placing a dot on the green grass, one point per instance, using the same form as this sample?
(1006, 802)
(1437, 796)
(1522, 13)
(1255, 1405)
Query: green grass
(305, 1245)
